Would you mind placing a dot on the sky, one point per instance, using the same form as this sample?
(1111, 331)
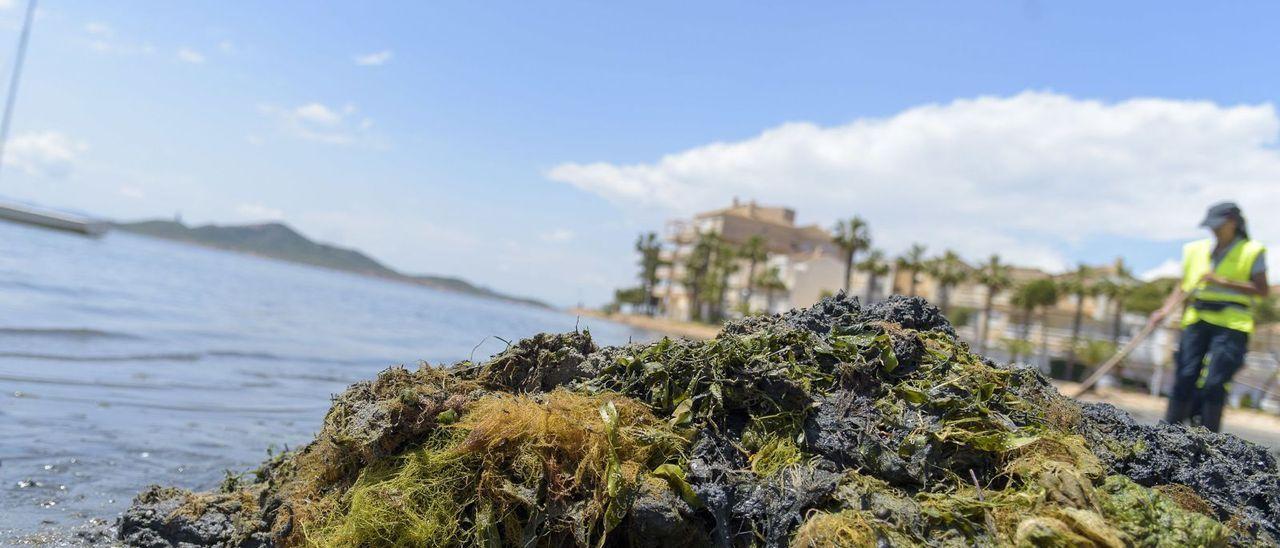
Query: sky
(524, 146)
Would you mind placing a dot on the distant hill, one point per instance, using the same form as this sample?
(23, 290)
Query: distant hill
(280, 241)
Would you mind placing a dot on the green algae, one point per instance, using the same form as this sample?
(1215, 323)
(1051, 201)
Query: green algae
(869, 432)
(414, 501)
(511, 468)
(676, 481)
(1004, 472)
(766, 374)
(844, 528)
(774, 456)
(1150, 518)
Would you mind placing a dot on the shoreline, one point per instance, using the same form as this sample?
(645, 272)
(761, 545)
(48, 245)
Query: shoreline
(672, 328)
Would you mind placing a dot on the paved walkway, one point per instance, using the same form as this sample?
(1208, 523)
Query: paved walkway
(1255, 426)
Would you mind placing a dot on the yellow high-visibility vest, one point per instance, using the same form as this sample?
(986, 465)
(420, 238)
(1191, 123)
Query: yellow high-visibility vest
(1219, 306)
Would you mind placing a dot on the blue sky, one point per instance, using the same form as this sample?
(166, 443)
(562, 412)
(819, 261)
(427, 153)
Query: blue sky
(519, 144)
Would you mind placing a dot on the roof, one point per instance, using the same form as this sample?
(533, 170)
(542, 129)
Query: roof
(777, 215)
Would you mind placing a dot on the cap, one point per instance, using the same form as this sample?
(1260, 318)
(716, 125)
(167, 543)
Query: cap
(1219, 214)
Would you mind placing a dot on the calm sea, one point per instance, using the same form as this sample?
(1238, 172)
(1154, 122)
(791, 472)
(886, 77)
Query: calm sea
(126, 361)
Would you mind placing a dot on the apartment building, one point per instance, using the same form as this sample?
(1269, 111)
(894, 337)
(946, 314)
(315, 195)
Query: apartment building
(806, 259)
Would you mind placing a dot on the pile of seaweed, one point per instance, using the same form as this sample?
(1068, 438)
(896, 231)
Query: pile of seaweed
(836, 425)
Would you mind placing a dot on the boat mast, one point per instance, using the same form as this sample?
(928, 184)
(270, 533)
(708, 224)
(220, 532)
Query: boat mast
(13, 79)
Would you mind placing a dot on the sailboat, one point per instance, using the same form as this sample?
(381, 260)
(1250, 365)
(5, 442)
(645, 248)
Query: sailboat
(25, 213)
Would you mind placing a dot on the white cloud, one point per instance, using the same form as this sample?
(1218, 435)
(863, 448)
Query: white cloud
(98, 28)
(45, 153)
(226, 46)
(7, 4)
(102, 38)
(1025, 176)
(559, 235)
(318, 114)
(106, 46)
(374, 59)
(259, 212)
(363, 228)
(131, 192)
(1170, 268)
(188, 55)
(413, 244)
(319, 123)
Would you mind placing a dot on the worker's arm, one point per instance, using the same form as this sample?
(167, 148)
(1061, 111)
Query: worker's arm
(1257, 286)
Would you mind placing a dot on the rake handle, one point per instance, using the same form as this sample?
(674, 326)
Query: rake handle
(1132, 344)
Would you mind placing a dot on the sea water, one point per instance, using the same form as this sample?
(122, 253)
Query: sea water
(127, 361)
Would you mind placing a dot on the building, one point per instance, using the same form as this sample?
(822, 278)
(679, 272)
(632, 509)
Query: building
(811, 266)
(805, 258)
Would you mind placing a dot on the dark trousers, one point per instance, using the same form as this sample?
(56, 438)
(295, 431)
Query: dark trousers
(1226, 349)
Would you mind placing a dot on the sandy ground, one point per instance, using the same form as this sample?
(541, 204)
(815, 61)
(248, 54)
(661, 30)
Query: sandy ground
(1254, 426)
(688, 330)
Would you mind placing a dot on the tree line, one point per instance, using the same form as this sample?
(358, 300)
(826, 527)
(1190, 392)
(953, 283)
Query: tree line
(712, 261)
(707, 270)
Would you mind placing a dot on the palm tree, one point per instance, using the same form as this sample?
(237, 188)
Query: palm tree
(723, 265)
(875, 266)
(851, 236)
(1265, 315)
(697, 265)
(770, 280)
(913, 261)
(1080, 285)
(1030, 296)
(1093, 353)
(650, 249)
(949, 270)
(1117, 288)
(1267, 312)
(1016, 348)
(632, 296)
(1123, 283)
(993, 275)
(755, 253)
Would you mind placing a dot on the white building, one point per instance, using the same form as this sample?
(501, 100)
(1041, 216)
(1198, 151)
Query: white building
(806, 259)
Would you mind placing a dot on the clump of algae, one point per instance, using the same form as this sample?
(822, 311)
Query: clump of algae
(834, 426)
(368, 427)
(1150, 518)
(512, 467)
(844, 528)
(775, 455)
(412, 501)
(1186, 497)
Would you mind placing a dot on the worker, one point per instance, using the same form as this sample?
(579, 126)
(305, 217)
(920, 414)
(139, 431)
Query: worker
(1224, 276)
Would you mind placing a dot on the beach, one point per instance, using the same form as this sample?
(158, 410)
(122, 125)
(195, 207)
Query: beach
(669, 327)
